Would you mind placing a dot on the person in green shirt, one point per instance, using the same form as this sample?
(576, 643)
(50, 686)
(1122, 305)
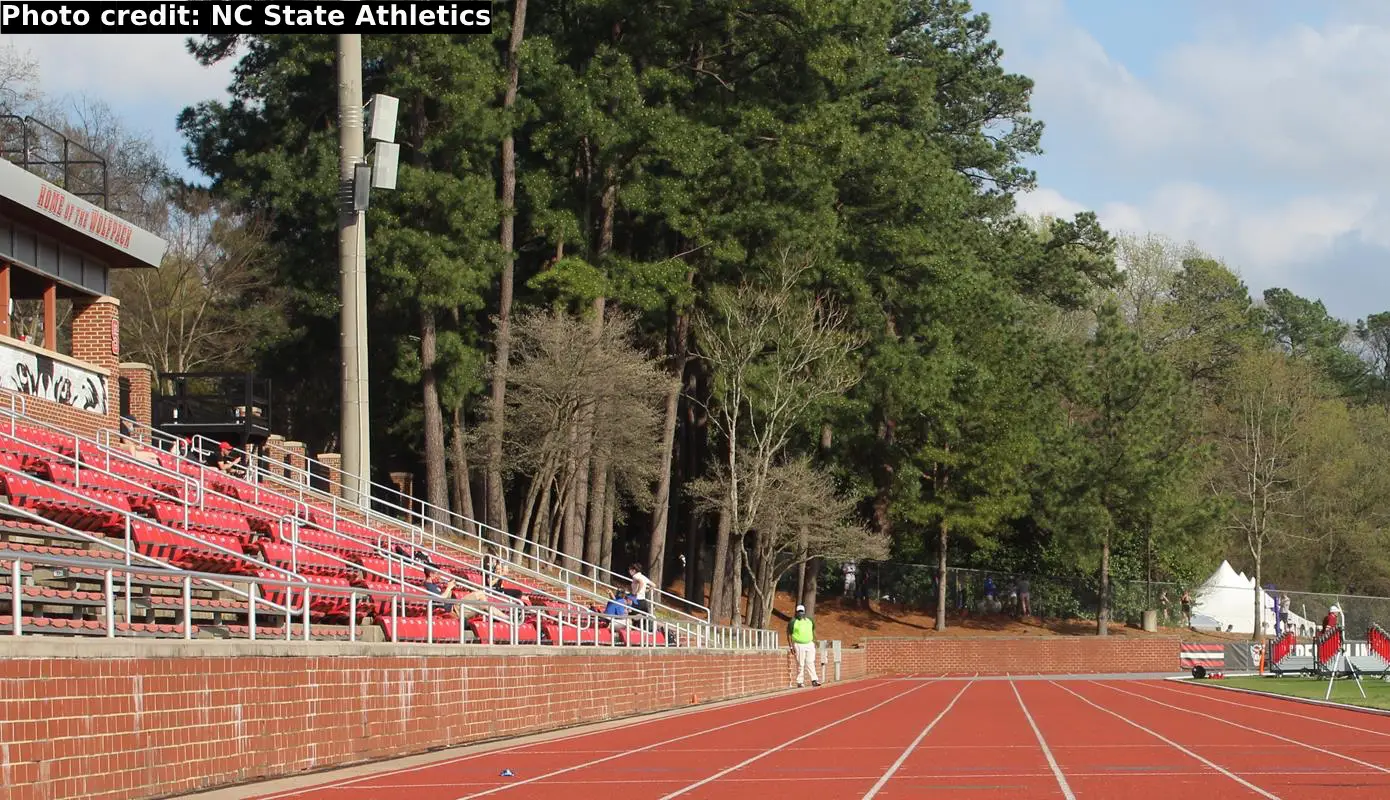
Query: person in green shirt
(801, 631)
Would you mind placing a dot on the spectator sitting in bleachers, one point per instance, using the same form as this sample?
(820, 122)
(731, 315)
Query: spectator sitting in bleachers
(433, 586)
(503, 571)
(619, 609)
(142, 453)
(476, 603)
(229, 463)
(618, 606)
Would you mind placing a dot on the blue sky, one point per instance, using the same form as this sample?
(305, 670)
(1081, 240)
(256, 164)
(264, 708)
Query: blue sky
(1256, 130)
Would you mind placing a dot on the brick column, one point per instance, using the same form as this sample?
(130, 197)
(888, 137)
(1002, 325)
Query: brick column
(141, 379)
(334, 462)
(295, 456)
(404, 483)
(96, 340)
(275, 454)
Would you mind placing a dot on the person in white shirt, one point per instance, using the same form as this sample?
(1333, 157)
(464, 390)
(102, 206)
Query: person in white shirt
(641, 584)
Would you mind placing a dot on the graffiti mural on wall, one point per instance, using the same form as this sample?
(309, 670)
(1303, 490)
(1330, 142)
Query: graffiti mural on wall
(40, 376)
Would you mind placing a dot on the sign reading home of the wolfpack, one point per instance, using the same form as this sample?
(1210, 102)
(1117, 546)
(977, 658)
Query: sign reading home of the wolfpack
(29, 190)
(34, 375)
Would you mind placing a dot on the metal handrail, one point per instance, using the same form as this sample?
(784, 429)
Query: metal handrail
(130, 555)
(200, 445)
(15, 417)
(256, 472)
(301, 507)
(306, 508)
(295, 543)
(704, 631)
(423, 521)
(127, 518)
(678, 635)
(388, 556)
(460, 524)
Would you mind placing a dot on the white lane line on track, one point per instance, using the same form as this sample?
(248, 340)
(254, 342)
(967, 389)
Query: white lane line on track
(646, 779)
(504, 787)
(1243, 726)
(1243, 782)
(897, 764)
(849, 747)
(646, 720)
(1209, 695)
(716, 776)
(1047, 751)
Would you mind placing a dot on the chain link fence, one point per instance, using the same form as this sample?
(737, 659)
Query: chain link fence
(976, 592)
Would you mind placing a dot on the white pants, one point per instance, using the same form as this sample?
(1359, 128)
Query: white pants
(805, 662)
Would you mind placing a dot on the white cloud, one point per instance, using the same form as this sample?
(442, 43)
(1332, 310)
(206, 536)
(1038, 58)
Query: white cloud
(1262, 143)
(144, 69)
(1044, 202)
(1309, 103)
(1268, 242)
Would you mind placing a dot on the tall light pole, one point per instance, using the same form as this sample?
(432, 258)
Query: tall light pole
(357, 178)
(352, 247)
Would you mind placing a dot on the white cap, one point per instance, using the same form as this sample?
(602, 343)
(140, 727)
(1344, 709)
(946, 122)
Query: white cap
(1336, 609)
(800, 609)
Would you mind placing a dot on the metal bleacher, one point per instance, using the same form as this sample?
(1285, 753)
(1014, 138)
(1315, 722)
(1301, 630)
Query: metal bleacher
(116, 537)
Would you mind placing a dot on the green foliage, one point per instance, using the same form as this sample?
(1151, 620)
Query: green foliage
(1017, 390)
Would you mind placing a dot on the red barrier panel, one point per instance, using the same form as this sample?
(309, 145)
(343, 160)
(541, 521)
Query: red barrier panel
(1283, 646)
(1379, 642)
(1328, 645)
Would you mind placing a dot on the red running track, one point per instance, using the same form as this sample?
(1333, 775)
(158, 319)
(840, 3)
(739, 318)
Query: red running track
(933, 738)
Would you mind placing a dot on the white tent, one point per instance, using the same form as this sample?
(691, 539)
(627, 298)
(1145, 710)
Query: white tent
(1227, 600)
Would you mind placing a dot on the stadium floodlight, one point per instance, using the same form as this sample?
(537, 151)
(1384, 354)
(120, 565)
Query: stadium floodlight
(361, 187)
(386, 157)
(380, 115)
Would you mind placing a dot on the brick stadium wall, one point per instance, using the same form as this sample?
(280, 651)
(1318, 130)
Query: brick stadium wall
(1044, 654)
(83, 719)
(854, 663)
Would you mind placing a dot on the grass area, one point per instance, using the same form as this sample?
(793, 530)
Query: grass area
(1377, 691)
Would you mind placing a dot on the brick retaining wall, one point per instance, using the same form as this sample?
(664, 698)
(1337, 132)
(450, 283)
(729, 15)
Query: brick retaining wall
(853, 663)
(143, 719)
(1043, 654)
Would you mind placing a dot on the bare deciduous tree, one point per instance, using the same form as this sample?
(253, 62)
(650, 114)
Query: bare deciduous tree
(776, 353)
(1272, 408)
(559, 368)
(801, 517)
(19, 77)
(194, 312)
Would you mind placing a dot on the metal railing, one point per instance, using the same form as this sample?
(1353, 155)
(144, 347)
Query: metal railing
(523, 624)
(431, 519)
(196, 488)
(130, 556)
(27, 148)
(82, 449)
(419, 529)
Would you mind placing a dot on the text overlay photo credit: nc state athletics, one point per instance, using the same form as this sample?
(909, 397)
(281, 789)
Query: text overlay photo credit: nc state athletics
(202, 16)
